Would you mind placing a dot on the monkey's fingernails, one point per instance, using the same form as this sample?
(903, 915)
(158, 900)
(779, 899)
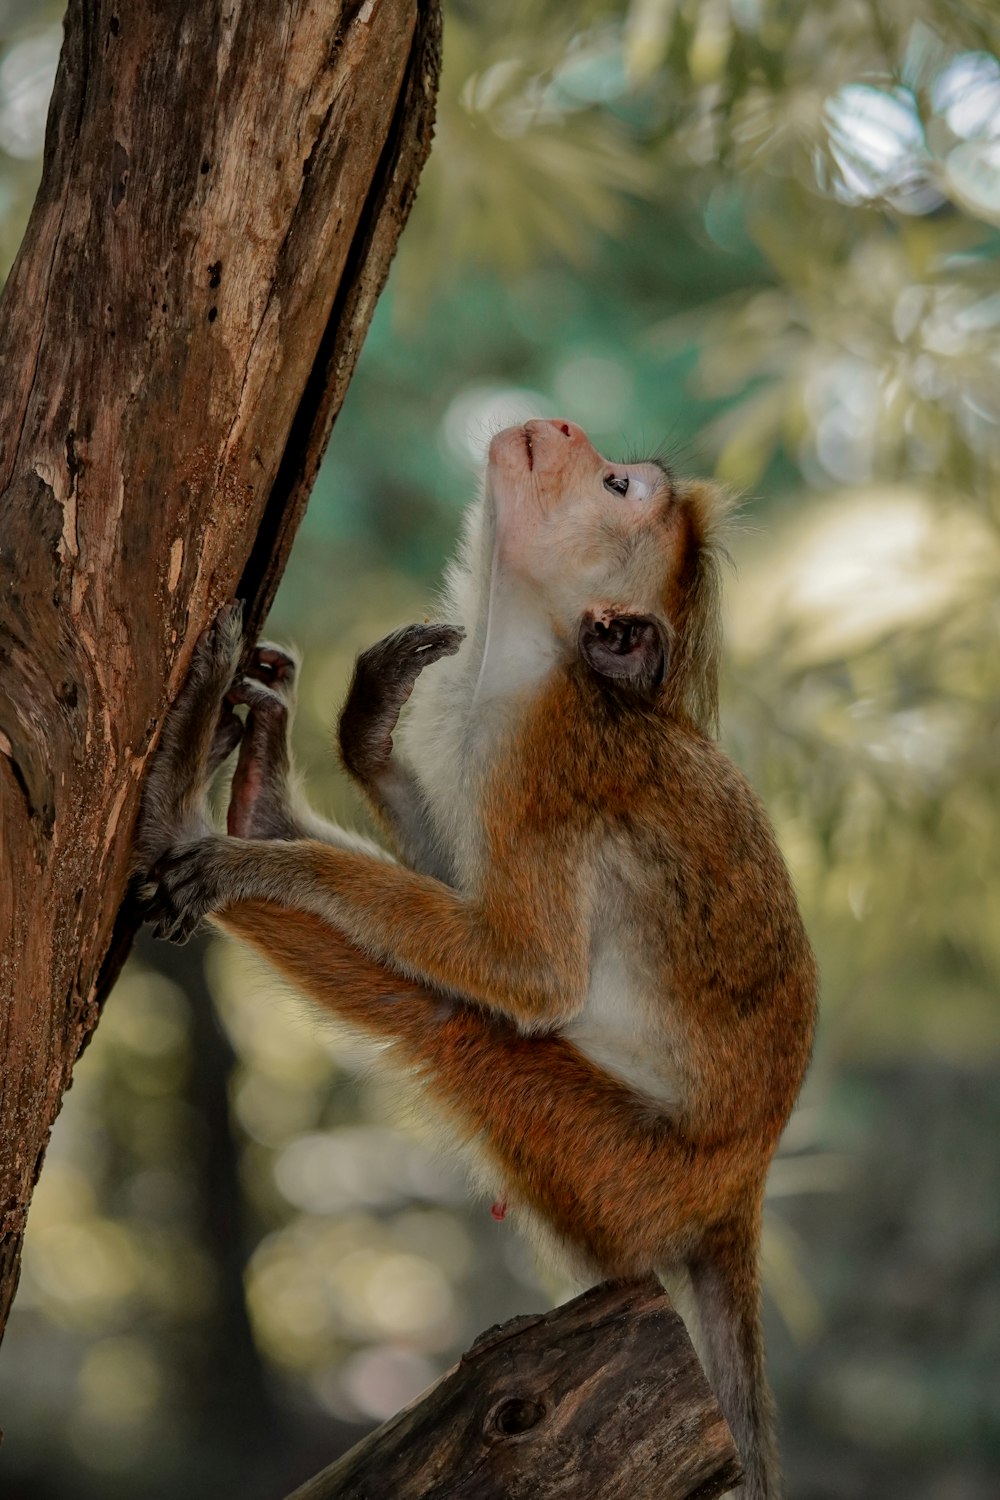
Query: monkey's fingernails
(273, 658)
(441, 640)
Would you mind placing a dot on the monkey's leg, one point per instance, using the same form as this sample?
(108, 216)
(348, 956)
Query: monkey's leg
(607, 1171)
(383, 680)
(625, 1187)
(622, 1185)
(199, 732)
(522, 949)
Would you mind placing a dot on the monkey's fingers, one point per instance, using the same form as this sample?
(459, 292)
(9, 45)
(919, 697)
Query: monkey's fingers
(268, 702)
(384, 674)
(404, 653)
(258, 795)
(383, 680)
(159, 912)
(435, 641)
(274, 666)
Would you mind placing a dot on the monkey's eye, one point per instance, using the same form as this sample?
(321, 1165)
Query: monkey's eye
(617, 484)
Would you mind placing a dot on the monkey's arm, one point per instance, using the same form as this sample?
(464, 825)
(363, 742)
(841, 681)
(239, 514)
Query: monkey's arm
(383, 679)
(267, 800)
(400, 806)
(520, 948)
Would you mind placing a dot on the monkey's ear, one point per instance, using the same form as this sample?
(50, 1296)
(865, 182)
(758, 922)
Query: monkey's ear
(629, 651)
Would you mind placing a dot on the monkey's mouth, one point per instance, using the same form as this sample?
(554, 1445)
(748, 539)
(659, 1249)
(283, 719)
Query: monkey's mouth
(528, 449)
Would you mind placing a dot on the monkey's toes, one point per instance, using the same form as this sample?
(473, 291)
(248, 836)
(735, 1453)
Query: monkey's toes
(180, 889)
(219, 648)
(159, 911)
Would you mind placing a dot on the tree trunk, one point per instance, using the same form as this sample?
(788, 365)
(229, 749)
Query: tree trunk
(603, 1397)
(223, 186)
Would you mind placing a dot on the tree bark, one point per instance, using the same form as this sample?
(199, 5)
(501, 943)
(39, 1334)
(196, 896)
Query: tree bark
(223, 186)
(603, 1397)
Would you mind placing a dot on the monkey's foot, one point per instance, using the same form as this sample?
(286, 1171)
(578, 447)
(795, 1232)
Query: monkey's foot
(383, 680)
(216, 657)
(184, 886)
(198, 733)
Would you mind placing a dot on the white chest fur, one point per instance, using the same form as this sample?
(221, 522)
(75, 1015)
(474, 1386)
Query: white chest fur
(462, 706)
(438, 742)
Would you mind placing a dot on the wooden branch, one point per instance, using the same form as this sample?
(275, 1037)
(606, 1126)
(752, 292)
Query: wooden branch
(601, 1399)
(222, 191)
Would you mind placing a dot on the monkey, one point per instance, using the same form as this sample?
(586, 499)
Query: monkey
(586, 944)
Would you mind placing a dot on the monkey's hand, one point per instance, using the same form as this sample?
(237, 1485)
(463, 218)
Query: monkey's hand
(200, 731)
(383, 680)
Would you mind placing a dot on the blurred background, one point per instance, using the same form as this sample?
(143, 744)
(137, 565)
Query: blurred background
(759, 236)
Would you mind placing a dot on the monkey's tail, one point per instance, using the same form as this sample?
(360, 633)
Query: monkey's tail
(725, 1278)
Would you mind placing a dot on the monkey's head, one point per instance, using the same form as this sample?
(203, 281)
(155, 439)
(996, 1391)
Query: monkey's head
(622, 557)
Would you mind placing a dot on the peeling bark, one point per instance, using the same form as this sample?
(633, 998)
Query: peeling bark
(223, 186)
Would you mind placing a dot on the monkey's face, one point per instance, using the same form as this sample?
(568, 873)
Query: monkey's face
(599, 543)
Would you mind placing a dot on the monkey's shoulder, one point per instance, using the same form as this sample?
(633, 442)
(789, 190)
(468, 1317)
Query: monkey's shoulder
(707, 802)
(722, 876)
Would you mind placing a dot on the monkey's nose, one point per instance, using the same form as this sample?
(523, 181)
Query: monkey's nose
(568, 429)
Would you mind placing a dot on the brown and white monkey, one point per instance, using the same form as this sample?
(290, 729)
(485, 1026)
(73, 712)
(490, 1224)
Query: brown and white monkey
(589, 949)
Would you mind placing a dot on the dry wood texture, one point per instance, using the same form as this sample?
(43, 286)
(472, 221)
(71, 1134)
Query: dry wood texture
(603, 1398)
(223, 186)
